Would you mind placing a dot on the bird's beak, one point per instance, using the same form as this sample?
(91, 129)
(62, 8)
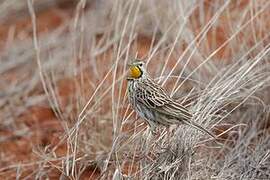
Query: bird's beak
(129, 64)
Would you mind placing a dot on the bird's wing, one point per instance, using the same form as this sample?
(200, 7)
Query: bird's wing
(151, 94)
(176, 110)
(154, 96)
(182, 115)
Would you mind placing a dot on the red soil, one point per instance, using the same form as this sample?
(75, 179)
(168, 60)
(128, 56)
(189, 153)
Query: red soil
(44, 130)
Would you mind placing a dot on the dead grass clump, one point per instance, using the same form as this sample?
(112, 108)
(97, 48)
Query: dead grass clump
(63, 89)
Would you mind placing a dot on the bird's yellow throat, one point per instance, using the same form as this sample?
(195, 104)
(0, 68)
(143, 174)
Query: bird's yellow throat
(135, 72)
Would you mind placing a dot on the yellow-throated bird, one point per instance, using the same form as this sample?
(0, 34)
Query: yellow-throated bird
(152, 103)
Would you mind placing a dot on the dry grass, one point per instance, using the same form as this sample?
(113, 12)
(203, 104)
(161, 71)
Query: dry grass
(64, 110)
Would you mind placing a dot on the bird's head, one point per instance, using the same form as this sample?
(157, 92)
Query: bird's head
(137, 70)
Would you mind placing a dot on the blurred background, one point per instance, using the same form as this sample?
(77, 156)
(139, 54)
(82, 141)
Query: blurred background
(63, 105)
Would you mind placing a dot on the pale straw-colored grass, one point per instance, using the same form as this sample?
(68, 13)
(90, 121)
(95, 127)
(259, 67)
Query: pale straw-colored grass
(223, 77)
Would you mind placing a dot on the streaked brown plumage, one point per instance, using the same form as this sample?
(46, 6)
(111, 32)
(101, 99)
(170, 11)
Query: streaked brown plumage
(152, 103)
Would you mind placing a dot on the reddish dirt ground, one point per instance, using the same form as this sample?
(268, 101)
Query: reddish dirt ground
(45, 129)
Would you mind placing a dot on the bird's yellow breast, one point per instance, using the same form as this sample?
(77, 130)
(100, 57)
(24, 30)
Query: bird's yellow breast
(135, 72)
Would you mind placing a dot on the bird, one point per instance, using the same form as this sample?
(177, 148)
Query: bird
(153, 104)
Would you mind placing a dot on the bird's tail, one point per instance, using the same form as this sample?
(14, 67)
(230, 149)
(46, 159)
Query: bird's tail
(200, 128)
